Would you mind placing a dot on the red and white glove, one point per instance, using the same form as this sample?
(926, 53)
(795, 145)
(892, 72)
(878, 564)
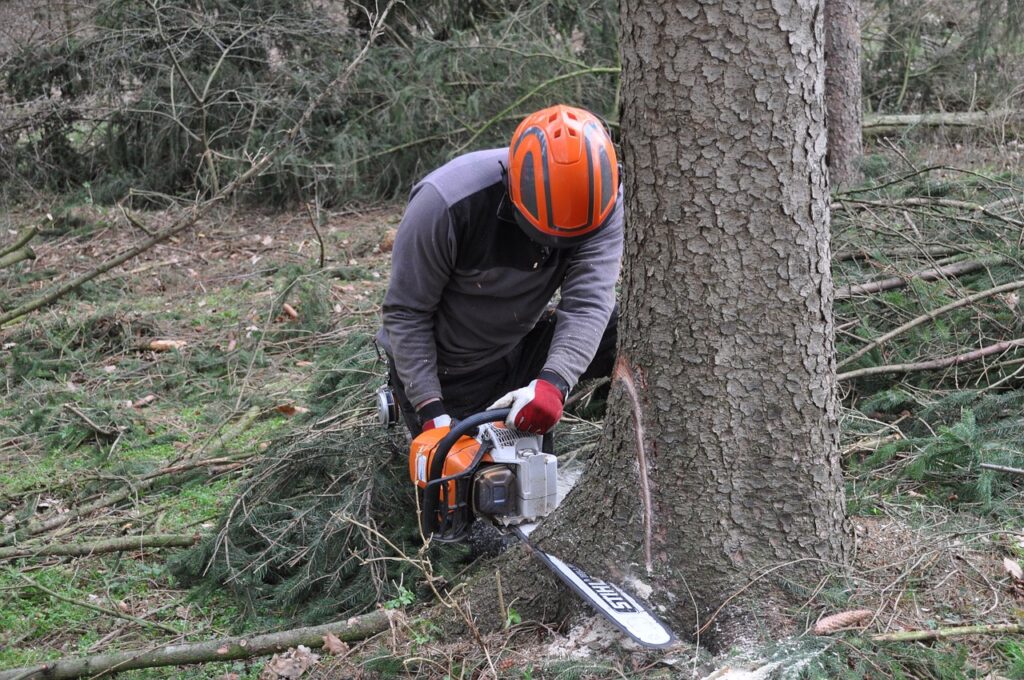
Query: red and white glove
(432, 415)
(536, 408)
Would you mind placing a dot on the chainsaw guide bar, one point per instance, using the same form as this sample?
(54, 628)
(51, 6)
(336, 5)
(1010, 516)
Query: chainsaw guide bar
(616, 605)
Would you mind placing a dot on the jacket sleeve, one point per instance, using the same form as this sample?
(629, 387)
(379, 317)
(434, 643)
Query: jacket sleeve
(422, 260)
(587, 300)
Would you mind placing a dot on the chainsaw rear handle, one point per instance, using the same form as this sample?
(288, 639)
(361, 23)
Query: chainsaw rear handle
(432, 494)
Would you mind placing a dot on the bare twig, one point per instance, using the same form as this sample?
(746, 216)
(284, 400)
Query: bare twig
(933, 364)
(102, 431)
(1013, 285)
(955, 269)
(943, 633)
(1003, 468)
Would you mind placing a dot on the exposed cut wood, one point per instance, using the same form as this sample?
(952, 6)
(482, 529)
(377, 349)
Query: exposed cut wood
(164, 345)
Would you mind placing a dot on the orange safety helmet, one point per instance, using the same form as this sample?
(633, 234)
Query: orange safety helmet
(563, 175)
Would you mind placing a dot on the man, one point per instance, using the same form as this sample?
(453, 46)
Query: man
(486, 241)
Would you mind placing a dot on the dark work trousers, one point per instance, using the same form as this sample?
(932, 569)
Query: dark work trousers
(469, 393)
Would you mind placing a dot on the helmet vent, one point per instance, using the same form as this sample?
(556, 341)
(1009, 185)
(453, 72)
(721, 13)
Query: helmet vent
(553, 118)
(572, 133)
(558, 133)
(571, 115)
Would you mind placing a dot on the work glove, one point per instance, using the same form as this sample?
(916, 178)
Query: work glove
(433, 415)
(536, 408)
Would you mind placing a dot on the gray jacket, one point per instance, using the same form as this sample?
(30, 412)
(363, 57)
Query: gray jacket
(467, 284)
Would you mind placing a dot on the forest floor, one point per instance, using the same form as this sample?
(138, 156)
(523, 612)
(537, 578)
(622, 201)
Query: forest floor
(104, 435)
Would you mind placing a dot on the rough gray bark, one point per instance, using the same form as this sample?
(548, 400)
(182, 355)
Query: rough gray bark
(843, 89)
(719, 462)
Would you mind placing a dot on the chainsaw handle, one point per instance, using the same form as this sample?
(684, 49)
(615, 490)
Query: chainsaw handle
(431, 496)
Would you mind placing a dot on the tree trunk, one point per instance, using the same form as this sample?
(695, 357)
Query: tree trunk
(719, 463)
(842, 90)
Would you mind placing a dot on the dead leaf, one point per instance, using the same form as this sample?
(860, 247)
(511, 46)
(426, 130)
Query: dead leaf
(1012, 568)
(335, 646)
(841, 621)
(290, 311)
(229, 676)
(289, 665)
(144, 401)
(166, 345)
(388, 242)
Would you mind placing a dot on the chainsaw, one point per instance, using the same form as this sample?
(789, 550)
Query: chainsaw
(481, 469)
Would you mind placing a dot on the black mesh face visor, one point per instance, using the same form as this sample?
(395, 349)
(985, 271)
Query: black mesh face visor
(537, 236)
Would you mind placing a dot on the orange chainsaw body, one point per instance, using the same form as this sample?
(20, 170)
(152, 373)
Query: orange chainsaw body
(421, 455)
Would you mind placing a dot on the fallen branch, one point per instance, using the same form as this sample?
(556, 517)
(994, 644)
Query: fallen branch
(931, 274)
(942, 633)
(945, 362)
(929, 251)
(21, 240)
(198, 210)
(1003, 468)
(16, 256)
(1013, 285)
(109, 545)
(875, 124)
(228, 649)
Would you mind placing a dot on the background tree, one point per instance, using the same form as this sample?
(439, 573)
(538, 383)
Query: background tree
(719, 459)
(843, 89)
